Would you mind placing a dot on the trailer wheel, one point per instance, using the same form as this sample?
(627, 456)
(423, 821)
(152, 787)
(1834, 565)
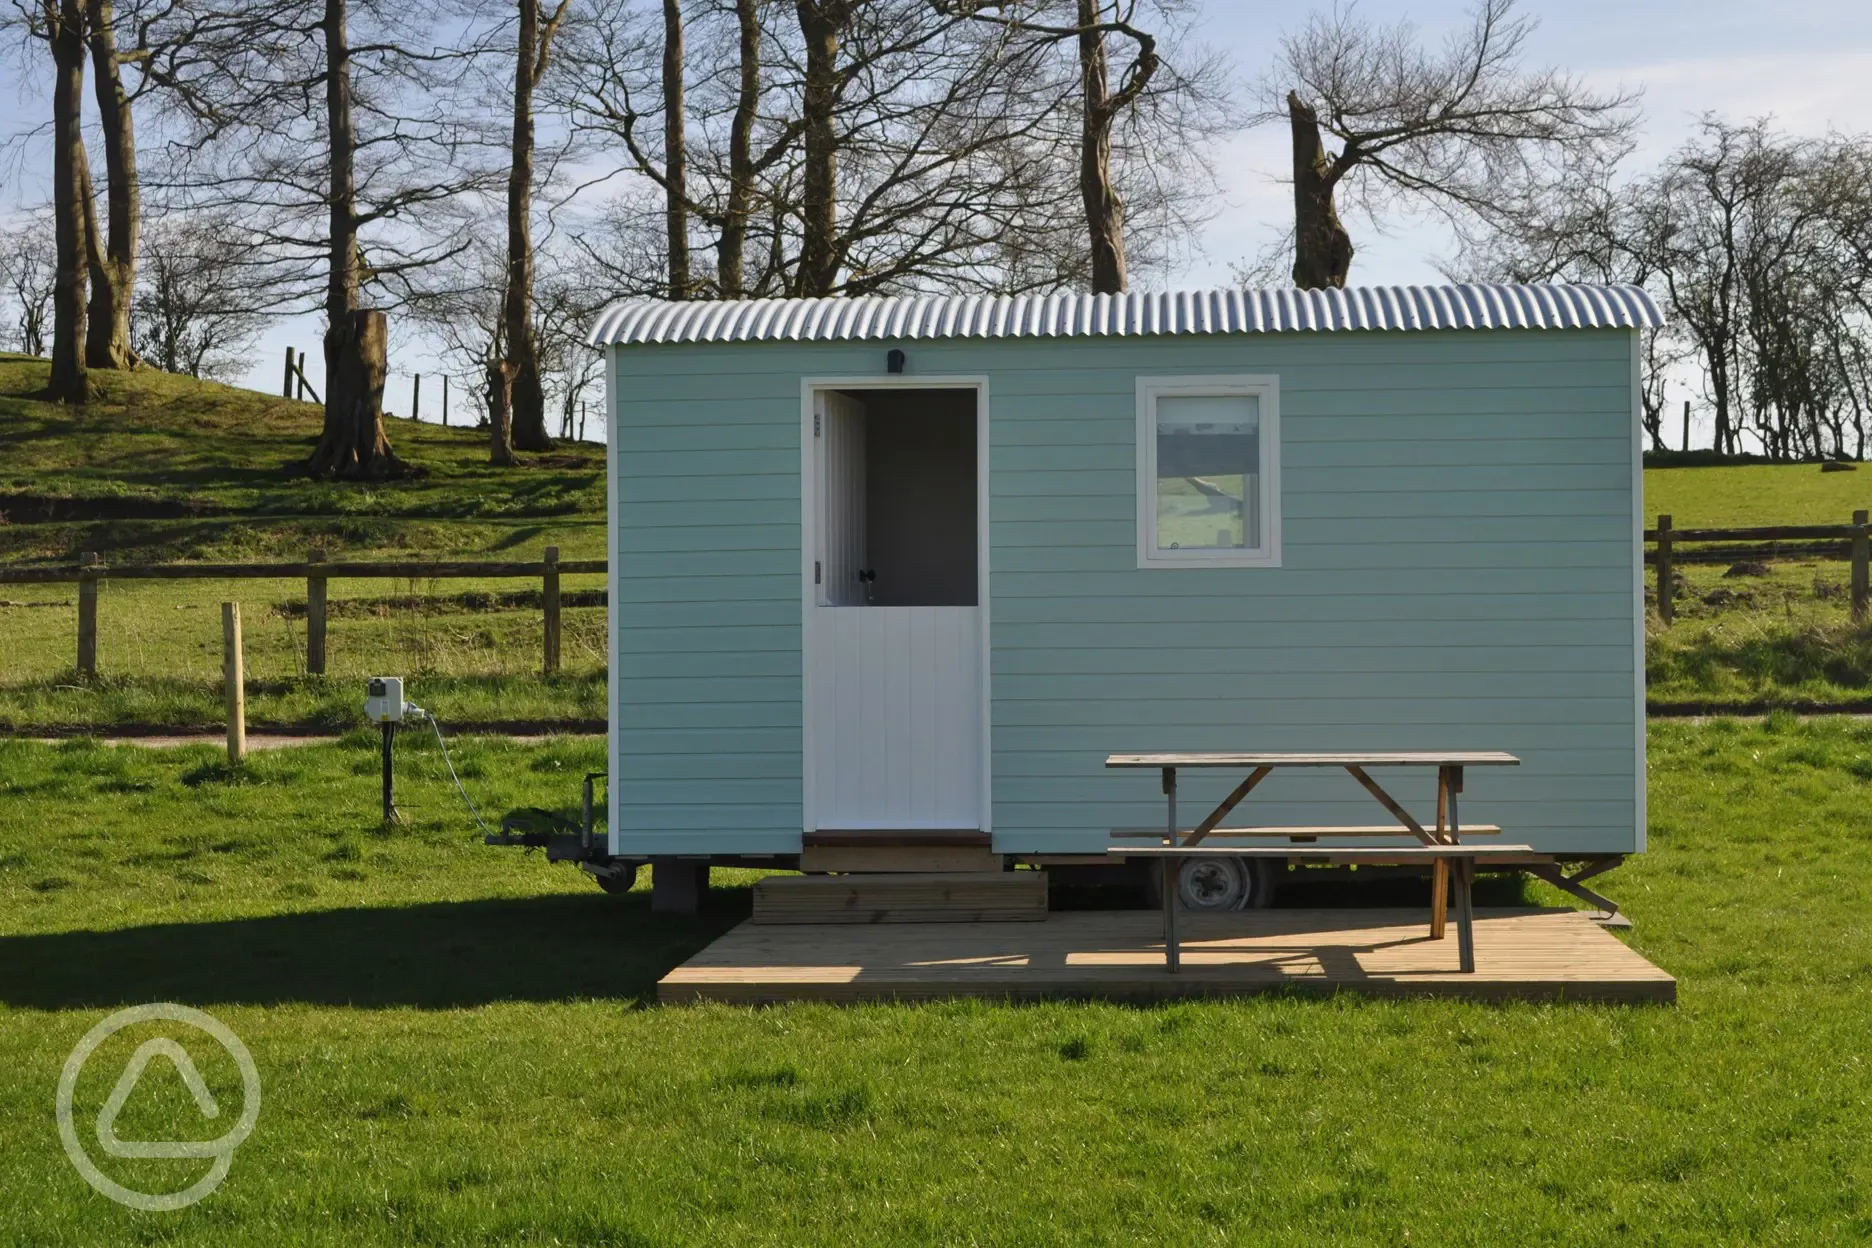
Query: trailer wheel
(1214, 884)
(615, 878)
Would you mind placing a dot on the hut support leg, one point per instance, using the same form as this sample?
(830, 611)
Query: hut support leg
(677, 885)
(1575, 884)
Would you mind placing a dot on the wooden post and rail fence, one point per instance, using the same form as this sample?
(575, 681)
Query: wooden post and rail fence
(1674, 546)
(318, 572)
(295, 386)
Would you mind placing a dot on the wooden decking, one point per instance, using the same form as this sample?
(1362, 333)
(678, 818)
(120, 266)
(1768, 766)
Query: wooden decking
(1520, 954)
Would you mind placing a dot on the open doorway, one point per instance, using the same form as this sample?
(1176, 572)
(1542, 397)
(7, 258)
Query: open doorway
(898, 475)
(895, 704)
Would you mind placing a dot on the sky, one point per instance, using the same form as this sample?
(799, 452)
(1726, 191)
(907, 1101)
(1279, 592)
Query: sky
(1807, 63)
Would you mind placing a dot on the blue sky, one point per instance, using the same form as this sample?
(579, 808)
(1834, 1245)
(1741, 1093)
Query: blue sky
(1806, 62)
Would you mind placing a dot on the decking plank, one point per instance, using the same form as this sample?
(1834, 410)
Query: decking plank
(1526, 954)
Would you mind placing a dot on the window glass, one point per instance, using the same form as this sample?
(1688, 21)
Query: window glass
(1208, 472)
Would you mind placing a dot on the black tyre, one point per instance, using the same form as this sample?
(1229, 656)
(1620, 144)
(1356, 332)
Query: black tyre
(617, 877)
(1216, 883)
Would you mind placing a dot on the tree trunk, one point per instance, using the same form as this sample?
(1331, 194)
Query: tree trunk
(675, 152)
(1322, 248)
(822, 22)
(352, 444)
(70, 178)
(500, 414)
(524, 396)
(1104, 211)
(731, 247)
(113, 278)
(357, 363)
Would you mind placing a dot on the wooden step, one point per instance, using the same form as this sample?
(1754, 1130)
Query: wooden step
(924, 897)
(947, 859)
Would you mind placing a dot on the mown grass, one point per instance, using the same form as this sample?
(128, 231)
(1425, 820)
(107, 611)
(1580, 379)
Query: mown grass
(457, 1046)
(1775, 637)
(1749, 495)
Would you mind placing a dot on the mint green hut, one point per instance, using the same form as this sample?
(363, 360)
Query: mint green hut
(910, 568)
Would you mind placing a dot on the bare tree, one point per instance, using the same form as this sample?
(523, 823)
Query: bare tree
(64, 31)
(348, 158)
(1758, 244)
(26, 281)
(113, 256)
(192, 312)
(516, 402)
(861, 146)
(1464, 130)
(675, 152)
(1100, 106)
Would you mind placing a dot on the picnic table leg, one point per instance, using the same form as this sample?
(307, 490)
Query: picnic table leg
(1439, 870)
(1172, 955)
(1465, 879)
(1465, 916)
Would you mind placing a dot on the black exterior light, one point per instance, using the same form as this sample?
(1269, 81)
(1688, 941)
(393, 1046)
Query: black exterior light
(894, 361)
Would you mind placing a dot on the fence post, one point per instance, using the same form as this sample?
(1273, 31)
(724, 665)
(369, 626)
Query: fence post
(234, 680)
(299, 372)
(445, 400)
(315, 618)
(1665, 579)
(87, 616)
(415, 401)
(286, 391)
(550, 598)
(1859, 567)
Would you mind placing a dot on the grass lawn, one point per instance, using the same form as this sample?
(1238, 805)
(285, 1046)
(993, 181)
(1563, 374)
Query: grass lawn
(1783, 637)
(457, 1044)
(1749, 495)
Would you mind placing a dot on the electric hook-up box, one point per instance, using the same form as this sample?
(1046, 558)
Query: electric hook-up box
(383, 701)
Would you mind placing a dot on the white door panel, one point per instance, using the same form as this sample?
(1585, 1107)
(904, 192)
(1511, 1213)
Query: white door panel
(896, 713)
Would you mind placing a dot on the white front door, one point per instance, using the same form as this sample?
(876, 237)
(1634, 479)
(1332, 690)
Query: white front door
(894, 637)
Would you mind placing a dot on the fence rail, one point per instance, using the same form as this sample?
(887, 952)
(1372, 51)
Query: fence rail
(1854, 541)
(318, 572)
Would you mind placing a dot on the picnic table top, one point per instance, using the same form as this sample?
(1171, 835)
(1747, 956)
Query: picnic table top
(1308, 758)
(1351, 852)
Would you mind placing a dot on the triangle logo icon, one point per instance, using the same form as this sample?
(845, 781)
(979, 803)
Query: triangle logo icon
(127, 1082)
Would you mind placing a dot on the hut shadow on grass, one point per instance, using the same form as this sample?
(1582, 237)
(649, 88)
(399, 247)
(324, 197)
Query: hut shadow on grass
(434, 956)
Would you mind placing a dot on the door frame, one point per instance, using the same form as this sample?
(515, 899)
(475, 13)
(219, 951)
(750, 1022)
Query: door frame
(810, 521)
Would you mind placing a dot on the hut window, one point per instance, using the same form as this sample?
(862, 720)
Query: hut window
(1208, 472)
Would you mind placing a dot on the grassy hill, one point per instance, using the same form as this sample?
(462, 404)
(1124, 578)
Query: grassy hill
(161, 468)
(164, 468)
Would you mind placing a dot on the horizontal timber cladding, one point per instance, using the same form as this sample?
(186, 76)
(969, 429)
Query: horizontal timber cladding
(1458, 511)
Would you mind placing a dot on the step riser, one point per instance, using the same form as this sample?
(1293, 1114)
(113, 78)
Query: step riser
(997, 897)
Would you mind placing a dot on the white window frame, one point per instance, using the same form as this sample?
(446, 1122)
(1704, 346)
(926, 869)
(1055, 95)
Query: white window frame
(1266, 388)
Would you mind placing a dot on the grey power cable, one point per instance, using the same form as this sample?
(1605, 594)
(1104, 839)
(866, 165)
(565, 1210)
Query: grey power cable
(485, 831)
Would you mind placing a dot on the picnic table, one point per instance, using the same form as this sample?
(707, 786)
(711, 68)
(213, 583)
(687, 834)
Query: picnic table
(1440, 843)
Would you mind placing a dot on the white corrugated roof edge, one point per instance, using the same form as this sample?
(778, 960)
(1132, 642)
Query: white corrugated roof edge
(635, 322)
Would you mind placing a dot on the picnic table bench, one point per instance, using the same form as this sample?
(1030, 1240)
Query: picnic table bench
(1440, 844)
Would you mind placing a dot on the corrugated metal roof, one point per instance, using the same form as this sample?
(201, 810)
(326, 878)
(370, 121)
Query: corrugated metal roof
(904, 317)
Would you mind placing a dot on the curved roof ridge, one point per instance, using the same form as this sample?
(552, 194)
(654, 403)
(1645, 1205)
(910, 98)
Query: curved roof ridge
(638, 322)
